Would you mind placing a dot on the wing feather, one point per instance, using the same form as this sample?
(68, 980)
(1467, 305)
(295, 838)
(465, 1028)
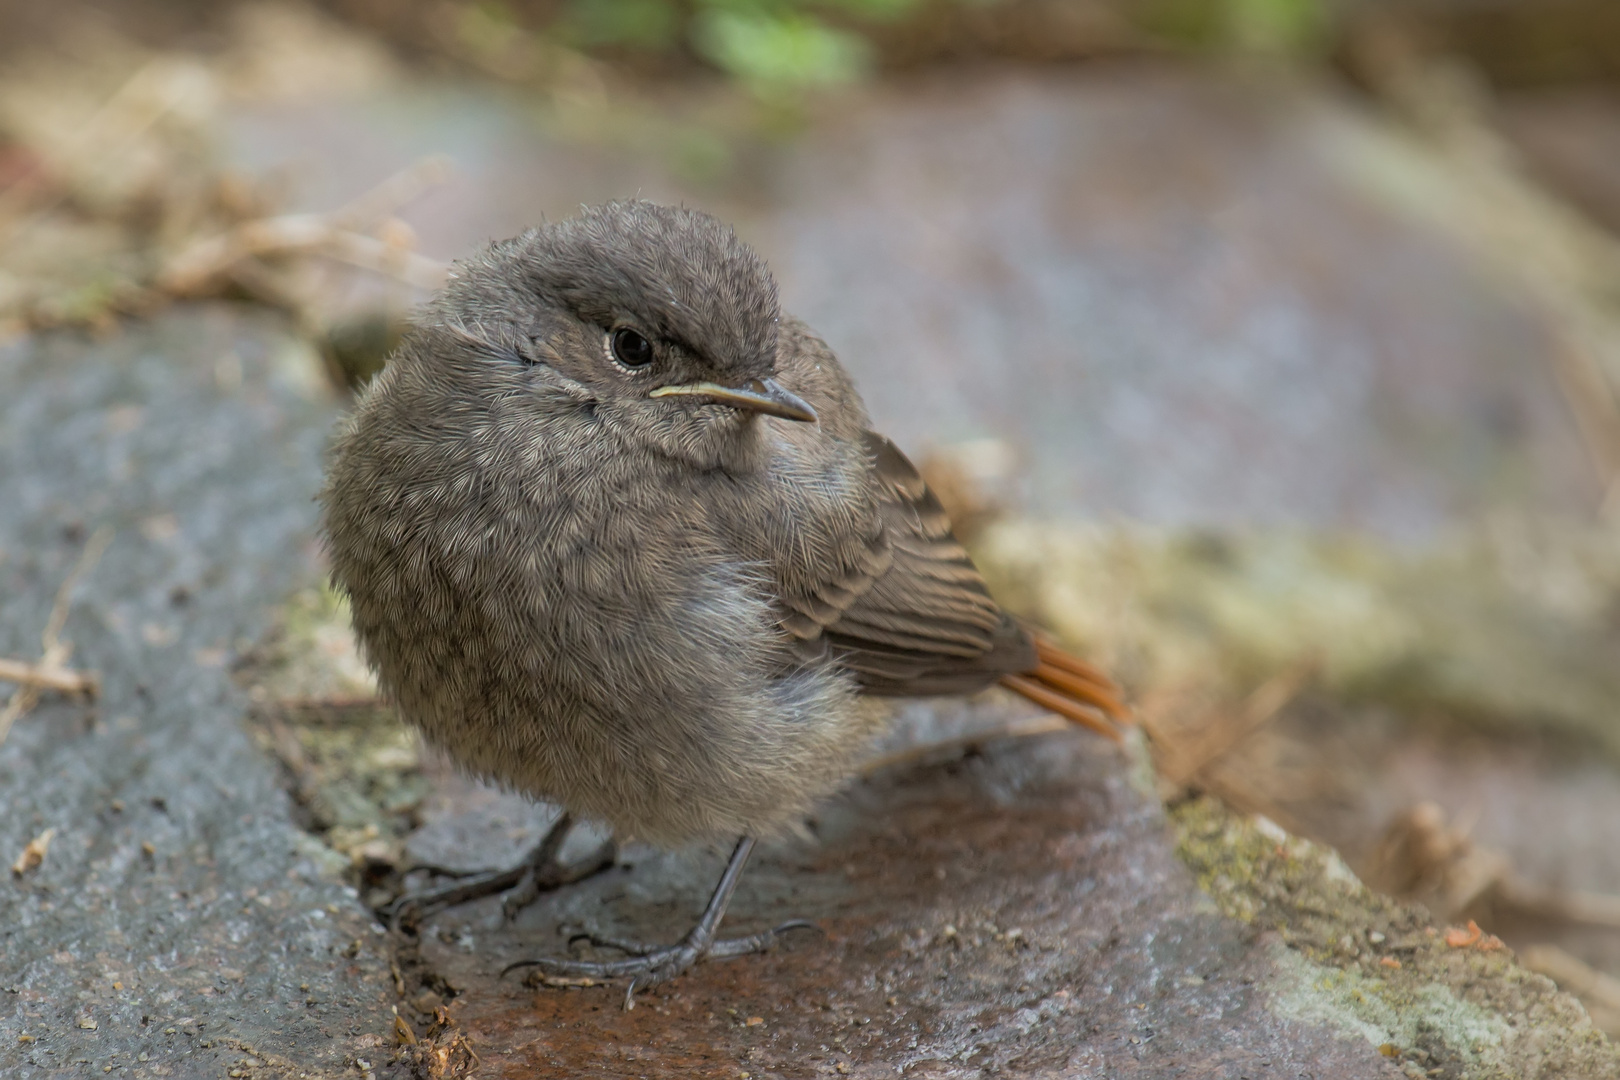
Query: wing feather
(915, 617)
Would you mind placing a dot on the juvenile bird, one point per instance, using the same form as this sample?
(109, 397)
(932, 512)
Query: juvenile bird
(617, 534)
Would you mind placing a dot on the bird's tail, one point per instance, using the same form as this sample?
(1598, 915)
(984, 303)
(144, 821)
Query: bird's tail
(1073, 689)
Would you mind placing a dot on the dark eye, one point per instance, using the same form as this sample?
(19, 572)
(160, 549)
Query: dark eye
(631, 349)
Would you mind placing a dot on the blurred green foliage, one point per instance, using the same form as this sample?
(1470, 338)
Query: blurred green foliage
(773, 51)
(1267, 27)
(774, 47)
(781, 48)
(771, 46)
(640, 24)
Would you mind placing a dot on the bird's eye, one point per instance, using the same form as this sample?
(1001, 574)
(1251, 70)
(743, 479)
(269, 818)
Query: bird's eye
(631, 349)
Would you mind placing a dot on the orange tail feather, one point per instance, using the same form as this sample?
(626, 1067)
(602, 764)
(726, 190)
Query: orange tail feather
(1052, 656)
(1074, 689)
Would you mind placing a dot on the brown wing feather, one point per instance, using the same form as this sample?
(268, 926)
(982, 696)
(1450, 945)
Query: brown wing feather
(903, 608)
(916, 618)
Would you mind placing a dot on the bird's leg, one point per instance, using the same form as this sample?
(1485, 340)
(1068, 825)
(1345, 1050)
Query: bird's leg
(648, 965)
(541, 870)
(544, 871)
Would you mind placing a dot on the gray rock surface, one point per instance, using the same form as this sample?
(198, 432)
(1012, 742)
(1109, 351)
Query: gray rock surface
(197, 439)
(1164, 299)
(1018, 907)
(1016, 912)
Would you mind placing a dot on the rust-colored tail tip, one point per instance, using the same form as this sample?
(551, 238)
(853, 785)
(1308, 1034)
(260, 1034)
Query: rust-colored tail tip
(1075, 690)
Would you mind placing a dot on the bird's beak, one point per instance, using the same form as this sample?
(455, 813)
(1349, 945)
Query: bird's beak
(760, 395)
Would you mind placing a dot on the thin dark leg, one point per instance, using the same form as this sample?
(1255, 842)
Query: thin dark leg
(539, 871)
(544, 871)
(649, 965)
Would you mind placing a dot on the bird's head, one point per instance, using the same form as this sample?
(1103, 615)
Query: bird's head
(655, 322)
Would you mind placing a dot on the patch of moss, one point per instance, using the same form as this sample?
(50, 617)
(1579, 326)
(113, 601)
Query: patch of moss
(1368, 965)
(357, 771)
(352, 768)
(312, 653)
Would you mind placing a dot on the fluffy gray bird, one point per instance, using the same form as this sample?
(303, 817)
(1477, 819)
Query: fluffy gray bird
(617, 534)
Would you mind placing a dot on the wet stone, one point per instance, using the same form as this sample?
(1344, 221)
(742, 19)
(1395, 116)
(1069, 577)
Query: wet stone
(1012, 906)
(1015, 910)
(177, 913)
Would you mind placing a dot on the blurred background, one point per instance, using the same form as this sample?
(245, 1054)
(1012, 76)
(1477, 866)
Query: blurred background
(1266, 350)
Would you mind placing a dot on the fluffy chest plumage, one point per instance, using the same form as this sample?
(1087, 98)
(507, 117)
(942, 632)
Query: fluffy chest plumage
(588, 631)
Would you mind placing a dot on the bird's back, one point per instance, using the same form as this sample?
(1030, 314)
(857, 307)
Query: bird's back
(866, 571)
(887, 593)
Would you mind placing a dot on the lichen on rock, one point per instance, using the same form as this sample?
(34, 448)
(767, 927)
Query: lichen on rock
(1458, 1007)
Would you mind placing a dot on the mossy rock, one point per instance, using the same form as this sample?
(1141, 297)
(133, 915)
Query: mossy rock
(1440, 1004)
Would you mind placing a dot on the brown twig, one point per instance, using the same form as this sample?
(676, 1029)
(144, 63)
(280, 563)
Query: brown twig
(206, 264)
(382, 202)
(1182, 761)
(344, 234)
(1592, 909)
(1480, 189)
(96, 144)
(1592, 401)
(1425, 858)
(56, 652)
(62, 680)
(1572, 974)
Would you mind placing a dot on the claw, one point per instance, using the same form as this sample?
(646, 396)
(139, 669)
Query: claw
(630, 948)
(540, 872)
(649, 965)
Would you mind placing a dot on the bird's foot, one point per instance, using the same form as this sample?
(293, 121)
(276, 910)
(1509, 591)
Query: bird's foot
(540, 872)
(539, 877)
(648, 965)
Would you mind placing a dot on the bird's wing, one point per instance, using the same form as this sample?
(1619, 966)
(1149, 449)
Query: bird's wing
(915, 617)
